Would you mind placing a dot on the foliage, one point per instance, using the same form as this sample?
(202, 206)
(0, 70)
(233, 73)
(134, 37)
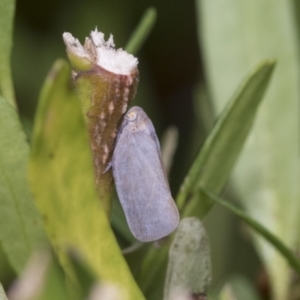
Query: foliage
(52, 210)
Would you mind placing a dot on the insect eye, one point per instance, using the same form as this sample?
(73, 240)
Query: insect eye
(131, 116)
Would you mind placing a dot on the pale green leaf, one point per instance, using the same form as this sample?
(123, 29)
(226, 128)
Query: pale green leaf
(189, 266)
(62, 178)
(235, 35)
(142, 31)
(213, 165)
(258, 228)
(21, 229)
(7, 9)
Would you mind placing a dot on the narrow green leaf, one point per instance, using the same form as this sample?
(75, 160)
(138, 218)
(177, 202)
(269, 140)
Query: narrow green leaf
(142, 31)
(216, 159)
(62, 178)
(2, 293)
(21, 227)
(259, 228)
(7, 9)
(189, 267)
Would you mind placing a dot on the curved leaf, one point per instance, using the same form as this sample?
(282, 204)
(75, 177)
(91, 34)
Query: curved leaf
(62, 178)
(258, 228)
(213, 165)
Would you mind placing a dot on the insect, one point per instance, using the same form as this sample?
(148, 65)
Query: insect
(141, 180)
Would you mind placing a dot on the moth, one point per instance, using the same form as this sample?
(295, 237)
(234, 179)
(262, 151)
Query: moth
(141, 180)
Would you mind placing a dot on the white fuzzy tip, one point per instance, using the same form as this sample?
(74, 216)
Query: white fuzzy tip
(102, 52)
(74, 45)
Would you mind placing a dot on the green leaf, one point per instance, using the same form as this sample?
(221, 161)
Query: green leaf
(7, 9)
(258, 228)
(213, 165)
(189, 267)
(2, 293)
(21, 229)
(62, 178)
(235, 35)
(142, 31)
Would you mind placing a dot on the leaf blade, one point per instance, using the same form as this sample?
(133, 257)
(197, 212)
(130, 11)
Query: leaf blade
(259, 228)
(142, 31)
(209, 169)
(21, 227)
(189, 266)
(66, 197)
